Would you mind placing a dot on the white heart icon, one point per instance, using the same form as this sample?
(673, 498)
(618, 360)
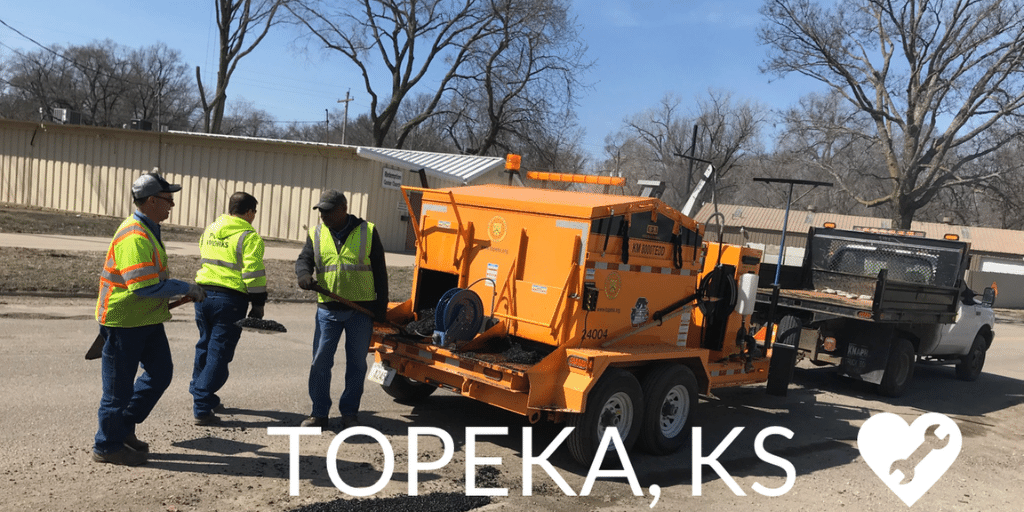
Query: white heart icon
(888, 445)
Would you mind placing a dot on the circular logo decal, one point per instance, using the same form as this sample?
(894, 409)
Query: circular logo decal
(612, 285)
(497, 228)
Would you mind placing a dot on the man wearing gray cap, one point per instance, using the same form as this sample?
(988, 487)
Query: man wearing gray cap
(131, 309)
(347, 256)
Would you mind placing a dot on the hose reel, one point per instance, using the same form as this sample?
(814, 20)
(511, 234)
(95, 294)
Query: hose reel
(458, 316)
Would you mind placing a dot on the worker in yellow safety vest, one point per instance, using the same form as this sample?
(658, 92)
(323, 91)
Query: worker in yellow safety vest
(131, 309)
(347, 256)
(233, 276)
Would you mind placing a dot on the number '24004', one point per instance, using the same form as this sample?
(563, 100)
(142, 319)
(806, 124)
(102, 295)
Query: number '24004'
(595, 334)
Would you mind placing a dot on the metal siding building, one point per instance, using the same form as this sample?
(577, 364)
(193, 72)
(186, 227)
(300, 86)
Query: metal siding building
(90, 170)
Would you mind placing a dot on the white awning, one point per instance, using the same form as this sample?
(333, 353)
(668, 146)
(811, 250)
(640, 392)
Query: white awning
(463, 168)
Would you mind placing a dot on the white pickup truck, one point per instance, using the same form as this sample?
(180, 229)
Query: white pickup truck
(875, 304)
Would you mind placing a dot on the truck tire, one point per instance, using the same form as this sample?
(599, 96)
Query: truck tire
(669, 398)
(616, 401)
(784, 351)
(404, 389)
(969, 367)
(899, 369)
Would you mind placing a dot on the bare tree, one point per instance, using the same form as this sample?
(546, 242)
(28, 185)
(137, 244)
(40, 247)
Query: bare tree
(526, 74)
(243, 118)
(408, 37)
(160, 89)
(660, 136)
(933, 76)
(237, 20)
(513, 50)
(106, 83)
(824, 135)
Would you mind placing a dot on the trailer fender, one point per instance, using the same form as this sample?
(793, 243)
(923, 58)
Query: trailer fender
(562, 381)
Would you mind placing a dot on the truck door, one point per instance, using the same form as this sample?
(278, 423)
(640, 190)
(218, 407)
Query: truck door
(956, 338)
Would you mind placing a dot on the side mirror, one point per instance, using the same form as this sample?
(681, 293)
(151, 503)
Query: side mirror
(988, 298)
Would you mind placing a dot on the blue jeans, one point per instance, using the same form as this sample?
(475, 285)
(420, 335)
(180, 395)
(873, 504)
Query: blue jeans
(330, 325)
(126, 401)
(218, 337)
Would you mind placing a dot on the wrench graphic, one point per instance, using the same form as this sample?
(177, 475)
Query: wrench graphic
(931, 442)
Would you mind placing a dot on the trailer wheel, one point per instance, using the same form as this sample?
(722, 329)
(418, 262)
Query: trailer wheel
(969, 367)
(784, 351)
(404, 389)
(669, 399)
(616, 401)
(899, 370)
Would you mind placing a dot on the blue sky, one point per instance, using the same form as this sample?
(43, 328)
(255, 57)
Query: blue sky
(643, 49)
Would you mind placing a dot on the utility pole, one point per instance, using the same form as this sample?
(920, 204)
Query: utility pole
(327, 127)
(345, 122)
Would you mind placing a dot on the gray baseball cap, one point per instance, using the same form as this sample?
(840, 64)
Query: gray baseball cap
(330, 200)
(151, 184)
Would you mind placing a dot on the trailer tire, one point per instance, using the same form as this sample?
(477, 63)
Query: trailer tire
(969, 367)
(669, 398)
(404, 389)
(615, 401)
(899, 369)
(784, 352)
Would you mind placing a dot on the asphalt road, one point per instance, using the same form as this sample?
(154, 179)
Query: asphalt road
(50, 395)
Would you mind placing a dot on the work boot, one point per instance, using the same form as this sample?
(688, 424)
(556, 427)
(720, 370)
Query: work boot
(206, 419)
(315, 421)
(349, 421)
(220, 409)
(122, 457)
(133, 442)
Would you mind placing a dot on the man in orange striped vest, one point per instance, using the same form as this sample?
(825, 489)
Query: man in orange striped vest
(131, 310)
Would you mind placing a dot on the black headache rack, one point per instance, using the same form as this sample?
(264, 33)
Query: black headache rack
(876, 277)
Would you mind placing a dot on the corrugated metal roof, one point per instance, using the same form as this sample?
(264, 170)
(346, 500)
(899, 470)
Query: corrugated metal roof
(460, 168)
(464, 168)
(990, 240)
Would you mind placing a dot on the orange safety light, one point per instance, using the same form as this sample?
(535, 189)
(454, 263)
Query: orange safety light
(576, 178)
(512, 162)
(951, 236)
(830, 225)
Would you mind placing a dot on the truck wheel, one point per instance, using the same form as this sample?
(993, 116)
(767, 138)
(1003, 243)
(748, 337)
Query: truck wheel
(899, 370)
(969, 367)
(616, 401)
(407, 390)
(671, 394)
(784, 351)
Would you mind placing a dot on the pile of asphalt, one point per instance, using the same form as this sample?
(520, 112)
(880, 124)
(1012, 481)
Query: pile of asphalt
(435, 502)
(425, 325)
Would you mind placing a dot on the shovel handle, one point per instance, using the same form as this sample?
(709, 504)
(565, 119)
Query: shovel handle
(323, 291)
(320, 289)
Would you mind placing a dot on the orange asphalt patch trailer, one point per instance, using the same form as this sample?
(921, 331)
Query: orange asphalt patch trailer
(591, 309)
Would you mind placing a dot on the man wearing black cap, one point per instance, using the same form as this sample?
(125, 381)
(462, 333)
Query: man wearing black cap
(347, 256)
(131, 309)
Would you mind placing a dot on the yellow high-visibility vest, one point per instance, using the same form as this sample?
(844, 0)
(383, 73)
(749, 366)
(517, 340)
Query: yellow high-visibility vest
(231, 254)
(346, 270)
(135, 259)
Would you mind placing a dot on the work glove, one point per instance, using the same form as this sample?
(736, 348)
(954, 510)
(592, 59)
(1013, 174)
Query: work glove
(196, 292)
(256, 311)
(306, 282)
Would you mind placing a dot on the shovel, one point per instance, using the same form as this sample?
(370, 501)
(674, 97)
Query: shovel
(96, 350)
(261, 326)
(321, 290)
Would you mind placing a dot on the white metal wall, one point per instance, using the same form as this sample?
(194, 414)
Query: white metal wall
(90, 170)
